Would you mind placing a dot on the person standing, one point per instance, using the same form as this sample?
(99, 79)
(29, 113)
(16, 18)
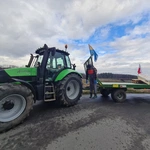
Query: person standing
(91, 74)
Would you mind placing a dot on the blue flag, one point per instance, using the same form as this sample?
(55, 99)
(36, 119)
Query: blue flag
(93, 53)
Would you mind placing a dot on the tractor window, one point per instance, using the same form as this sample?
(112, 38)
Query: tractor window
(54, 65)
(48, 66)
(68, 62)
(56, 62)
(37, 60)
(40, 58)
(60, 63)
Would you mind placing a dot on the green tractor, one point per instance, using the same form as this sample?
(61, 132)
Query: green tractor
(49, 76)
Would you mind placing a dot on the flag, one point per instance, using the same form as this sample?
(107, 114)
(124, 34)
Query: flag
(139, 69)
(93, 53)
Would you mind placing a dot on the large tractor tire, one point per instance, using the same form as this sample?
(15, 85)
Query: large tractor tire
(69, 90)
(16, 101)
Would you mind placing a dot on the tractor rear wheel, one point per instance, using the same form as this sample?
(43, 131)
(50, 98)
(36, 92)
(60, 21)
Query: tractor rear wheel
(69, 90)
(16, 102)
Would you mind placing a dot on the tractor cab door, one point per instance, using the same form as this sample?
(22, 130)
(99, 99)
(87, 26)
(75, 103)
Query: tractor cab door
(54, 65)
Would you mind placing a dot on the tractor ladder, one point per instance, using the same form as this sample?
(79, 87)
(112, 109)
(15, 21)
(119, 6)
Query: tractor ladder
(49, 93)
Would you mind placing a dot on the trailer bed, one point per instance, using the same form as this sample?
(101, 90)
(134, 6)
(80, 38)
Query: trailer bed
(118, 89)
(124, 85)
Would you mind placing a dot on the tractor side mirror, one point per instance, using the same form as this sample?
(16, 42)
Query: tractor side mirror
(74, 66)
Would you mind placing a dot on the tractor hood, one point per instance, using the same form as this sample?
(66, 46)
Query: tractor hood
(20, 73)
(17, 72)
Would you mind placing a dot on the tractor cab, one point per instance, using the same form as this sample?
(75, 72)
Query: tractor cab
(50, 62)
(56, 63)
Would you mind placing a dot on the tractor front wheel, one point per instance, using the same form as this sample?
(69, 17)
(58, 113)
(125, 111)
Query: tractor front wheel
(69, 90)
(16, 102)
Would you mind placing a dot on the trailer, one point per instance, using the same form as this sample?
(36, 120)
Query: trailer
(117, 90)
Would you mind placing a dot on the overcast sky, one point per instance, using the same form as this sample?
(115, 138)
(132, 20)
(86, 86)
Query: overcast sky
(118, 30)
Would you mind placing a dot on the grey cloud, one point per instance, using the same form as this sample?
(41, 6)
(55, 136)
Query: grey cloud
(27, 25)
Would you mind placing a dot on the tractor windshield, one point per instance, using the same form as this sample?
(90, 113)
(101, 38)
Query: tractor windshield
(58, 61)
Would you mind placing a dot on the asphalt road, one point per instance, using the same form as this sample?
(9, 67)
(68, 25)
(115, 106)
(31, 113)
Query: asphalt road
(93, 124)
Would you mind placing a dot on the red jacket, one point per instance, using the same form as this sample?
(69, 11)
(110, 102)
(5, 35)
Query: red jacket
(91, 73)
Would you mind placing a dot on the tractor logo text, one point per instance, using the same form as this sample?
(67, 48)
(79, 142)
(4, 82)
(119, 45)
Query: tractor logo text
(26, 72)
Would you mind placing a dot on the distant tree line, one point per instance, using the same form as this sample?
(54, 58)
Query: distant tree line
(101, 75)
(7, 66)
(113, 76)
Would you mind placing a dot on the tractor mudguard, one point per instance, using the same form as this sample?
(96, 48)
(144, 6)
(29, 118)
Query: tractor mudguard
(27, 85)
(64, 73)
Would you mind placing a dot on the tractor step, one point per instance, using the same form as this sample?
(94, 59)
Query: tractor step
(49, 93)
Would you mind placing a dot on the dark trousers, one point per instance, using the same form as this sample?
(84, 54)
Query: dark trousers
(93, 86)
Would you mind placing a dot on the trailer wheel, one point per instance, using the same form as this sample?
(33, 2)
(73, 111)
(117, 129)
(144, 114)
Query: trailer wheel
(16, 101)
(69, 90)
(118, 95)
(105, 92)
